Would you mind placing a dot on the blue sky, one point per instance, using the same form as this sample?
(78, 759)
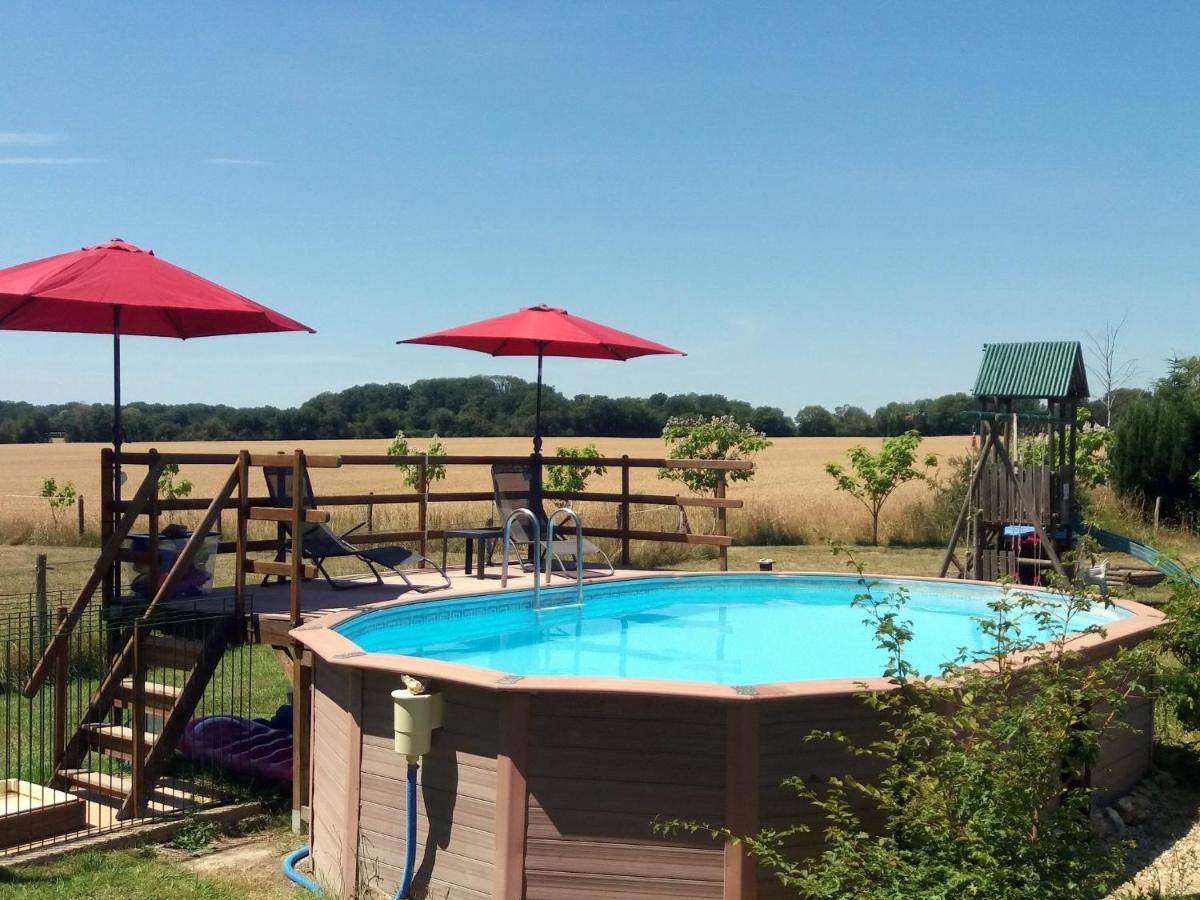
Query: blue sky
(821, 203)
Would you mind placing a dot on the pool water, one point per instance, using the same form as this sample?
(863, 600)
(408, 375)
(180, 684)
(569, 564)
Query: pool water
(726, 629)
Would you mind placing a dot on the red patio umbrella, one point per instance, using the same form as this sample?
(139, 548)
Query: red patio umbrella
(116, 288)
(543, 331)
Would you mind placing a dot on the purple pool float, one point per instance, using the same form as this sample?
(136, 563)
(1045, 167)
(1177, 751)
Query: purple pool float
(239, 746)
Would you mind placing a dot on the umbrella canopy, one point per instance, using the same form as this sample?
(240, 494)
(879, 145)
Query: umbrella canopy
(116, 288)
(543, 331)
(81, 291)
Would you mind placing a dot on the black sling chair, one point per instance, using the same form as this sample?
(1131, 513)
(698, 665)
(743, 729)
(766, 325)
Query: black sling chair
(321, 542)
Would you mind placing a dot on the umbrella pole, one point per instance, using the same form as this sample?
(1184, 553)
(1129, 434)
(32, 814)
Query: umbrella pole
(118, 437)
(535, 460)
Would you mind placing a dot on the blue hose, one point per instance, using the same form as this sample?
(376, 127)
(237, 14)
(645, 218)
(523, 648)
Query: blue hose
(289, 869)
(410, 833)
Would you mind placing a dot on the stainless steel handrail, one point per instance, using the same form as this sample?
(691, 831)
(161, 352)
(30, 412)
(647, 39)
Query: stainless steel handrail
(569, 513)
(537, 543)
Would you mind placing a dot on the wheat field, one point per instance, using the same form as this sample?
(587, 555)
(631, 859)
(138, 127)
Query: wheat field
(790, 488)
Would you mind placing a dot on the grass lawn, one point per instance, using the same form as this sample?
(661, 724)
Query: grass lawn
(151, 873)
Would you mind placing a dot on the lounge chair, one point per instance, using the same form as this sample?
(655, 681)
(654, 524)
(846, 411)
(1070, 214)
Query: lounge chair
(321, 542)
(511, 484)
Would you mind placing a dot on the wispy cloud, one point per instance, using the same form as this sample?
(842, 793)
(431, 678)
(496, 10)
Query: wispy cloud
(47, 160)
(234, 161)
(28, 138)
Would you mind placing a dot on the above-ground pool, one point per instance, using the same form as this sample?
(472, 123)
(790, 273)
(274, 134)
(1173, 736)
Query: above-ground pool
(722, 629)
(568, 730)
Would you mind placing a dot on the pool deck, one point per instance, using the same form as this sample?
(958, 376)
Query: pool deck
(270, 604)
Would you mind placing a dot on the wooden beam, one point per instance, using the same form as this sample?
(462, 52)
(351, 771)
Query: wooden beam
(279, 514)
(741, 798)
(966, 505)
(313, 461)
(512, 798)
(279, 569)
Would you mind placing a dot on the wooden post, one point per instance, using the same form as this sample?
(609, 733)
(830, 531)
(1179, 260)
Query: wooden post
(301, 673)
(301, 732)
(625, 523)
(371, 511)
(512, 798)
(152, 513)
(1157, 511)
(741, 798)
(79, 510)
(243, 524)
(61, 672)
(138, 720)
(41, 603)
(297, 576)
(423, 504)
(721, 526)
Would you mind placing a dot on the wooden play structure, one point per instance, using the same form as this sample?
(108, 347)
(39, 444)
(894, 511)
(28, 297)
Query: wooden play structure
(1015, 520)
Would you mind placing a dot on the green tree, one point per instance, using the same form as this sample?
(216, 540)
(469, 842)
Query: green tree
(59, 496)
(719, 437)
(434, 471)
(815, 421)
(168, 487)
(1154, 452)
(1093, 446)
(875, 476)
(572, 479)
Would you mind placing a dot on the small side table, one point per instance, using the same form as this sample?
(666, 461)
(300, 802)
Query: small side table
(485, 536)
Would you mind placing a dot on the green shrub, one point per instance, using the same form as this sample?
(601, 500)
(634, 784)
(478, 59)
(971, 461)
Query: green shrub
(720, 437)
(1154, 455)
(874, 477)
(572, 479)
(434, 470)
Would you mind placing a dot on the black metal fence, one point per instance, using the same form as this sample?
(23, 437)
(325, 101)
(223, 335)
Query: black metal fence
(63, 783)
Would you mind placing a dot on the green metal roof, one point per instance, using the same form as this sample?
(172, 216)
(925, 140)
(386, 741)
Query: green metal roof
(1033, 370)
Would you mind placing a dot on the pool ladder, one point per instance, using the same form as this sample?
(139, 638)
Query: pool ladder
(547, 553)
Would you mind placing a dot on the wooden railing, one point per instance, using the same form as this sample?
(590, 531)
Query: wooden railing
(423, 498)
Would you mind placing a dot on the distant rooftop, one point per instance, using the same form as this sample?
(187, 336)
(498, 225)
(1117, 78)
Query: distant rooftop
(1033, 370)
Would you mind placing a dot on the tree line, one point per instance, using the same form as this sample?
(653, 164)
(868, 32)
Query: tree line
(478, 406)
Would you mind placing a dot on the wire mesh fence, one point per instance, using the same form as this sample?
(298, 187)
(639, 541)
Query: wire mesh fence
(79, 757)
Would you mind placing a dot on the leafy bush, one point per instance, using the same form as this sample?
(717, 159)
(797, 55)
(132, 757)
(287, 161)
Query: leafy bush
(59, 496)
(1154, 454)
(572, 478)
(877, 475)
(434, 471)
(720, 437)
(1093, 446)
(168, 487)
(1181, 680)
(981, 773)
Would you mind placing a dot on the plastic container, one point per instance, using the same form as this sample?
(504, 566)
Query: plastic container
(195, 582)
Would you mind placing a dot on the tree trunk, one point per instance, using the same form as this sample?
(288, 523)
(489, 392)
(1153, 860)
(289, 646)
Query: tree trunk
(875, 528)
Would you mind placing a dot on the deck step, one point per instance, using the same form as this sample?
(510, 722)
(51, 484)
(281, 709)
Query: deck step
(169, 795)
(172, 652)
(114, 740)
(97, 782)
(159, 697)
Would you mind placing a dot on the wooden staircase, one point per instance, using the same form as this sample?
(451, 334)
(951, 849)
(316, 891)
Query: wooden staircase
(114, 734)
(120, 748)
